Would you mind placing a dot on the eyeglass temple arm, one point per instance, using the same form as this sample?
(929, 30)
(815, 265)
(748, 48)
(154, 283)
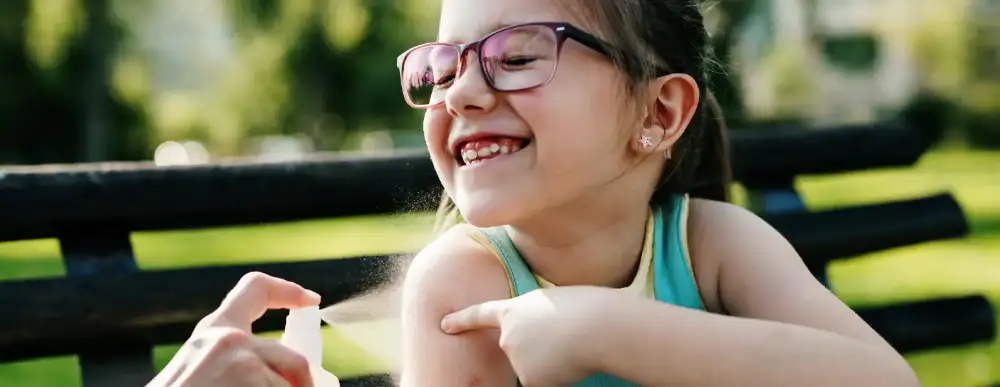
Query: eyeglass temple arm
(589, 40)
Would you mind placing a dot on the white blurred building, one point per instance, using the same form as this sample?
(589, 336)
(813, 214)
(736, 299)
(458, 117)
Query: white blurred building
(831, 92)
(187, 43)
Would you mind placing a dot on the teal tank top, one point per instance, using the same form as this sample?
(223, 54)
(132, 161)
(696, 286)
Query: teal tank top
(673, 281)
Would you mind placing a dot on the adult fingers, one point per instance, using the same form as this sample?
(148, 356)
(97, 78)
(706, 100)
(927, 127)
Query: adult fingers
(290, 365)
(481, 316)
(272, 379)
(236, 366)
(255, 294)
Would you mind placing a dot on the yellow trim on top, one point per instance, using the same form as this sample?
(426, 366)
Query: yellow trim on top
(481, 239)
(643, 282)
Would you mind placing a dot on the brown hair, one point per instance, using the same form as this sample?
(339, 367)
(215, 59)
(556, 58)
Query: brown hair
(656, 37)
(669, 36)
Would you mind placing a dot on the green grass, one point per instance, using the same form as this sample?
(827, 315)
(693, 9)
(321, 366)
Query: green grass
(970, 265)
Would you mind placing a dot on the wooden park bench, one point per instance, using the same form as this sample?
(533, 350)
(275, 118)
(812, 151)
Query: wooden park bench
(110, 314)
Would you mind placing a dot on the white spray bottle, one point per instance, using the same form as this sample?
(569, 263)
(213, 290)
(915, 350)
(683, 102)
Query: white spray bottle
(302, 335)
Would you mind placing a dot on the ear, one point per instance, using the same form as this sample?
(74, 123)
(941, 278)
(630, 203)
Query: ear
(672, 102)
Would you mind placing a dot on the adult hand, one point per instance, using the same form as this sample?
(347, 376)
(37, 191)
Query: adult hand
(544, 332)
(222, 350)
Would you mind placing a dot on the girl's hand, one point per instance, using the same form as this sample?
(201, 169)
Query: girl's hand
(545, 333)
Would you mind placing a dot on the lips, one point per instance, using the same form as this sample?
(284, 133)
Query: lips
(477, 150)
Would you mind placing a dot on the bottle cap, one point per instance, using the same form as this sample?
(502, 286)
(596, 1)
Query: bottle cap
(302, 333)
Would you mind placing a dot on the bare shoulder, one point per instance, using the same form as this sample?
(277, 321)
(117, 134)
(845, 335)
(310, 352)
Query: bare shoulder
(730, 246)
(719, 232)
(453, 272)
(747, 268)
(711, 221)
(716, 214)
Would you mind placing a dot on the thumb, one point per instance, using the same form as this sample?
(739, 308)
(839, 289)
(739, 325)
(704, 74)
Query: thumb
(481, 316)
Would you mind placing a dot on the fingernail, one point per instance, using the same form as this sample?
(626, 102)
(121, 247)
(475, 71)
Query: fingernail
(313, 295)
(446, 325)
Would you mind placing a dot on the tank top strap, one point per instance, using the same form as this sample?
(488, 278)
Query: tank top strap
(523, 281)
(673, 275)
(519, 274)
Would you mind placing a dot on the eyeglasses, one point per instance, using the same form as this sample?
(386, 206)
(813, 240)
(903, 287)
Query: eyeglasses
(514, 58)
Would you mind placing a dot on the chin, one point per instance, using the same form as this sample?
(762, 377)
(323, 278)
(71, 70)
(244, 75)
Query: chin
(489, 210)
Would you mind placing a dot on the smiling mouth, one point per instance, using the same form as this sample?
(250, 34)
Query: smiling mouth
(480, 150)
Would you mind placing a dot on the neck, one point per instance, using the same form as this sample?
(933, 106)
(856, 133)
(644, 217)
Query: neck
(595, 240)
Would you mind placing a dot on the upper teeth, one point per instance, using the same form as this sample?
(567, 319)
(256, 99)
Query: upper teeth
(469, 155)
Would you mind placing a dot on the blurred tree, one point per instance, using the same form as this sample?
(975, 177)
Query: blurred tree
(981, 95)
(56, 102)
(344, 68)
(323, 68)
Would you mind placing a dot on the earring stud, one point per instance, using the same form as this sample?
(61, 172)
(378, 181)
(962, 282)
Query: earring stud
(667, 155)
(646, 141)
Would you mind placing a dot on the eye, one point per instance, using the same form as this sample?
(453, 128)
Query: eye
(517, 61)
(444, 81)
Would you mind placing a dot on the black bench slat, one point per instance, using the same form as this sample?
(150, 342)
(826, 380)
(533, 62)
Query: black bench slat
(92, 252)
(929, 324)
(141, 197)
(150, 308)
(821, 237)
(162, 306)
(60, 316)
(773, 156)
(37, 202)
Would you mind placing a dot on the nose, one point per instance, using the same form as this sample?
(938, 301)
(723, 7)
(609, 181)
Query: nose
(470, 95)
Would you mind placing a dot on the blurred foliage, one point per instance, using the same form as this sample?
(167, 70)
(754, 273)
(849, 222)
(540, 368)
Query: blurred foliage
(51, 58)
(858, 52)
(318, 67)
(981, 116)
(111, 79)
(789, 69)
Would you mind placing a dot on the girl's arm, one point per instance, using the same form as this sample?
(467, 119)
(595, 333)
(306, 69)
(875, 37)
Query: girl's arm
(786, 329)
(452, 273)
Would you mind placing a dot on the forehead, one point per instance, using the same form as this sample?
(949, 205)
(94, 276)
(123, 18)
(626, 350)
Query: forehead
(467, 20)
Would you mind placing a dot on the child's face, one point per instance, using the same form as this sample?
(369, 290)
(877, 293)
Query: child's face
(568, 133)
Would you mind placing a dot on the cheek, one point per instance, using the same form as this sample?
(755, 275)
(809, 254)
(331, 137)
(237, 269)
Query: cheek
(437, 123)
(570, 120)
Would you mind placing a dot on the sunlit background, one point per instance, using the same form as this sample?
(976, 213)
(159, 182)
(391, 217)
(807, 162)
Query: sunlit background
(182, 82)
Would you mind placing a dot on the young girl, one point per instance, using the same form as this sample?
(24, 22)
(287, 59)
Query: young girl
(575, 139)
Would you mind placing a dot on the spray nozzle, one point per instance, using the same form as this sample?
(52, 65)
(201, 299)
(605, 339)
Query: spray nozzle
(302, 335)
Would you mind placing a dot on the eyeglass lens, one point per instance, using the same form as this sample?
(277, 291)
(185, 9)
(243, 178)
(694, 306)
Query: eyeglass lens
(514, 59)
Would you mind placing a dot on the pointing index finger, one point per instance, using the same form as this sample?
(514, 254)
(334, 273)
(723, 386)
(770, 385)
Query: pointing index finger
(481, 316)
(256, 293)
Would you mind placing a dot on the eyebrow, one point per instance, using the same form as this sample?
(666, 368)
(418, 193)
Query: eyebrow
(492, 27)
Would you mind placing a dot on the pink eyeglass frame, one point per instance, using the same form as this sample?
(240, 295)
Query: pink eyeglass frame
(562, 30)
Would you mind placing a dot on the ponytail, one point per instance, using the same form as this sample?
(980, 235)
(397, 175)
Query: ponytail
(713, 174)
(447, 215)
